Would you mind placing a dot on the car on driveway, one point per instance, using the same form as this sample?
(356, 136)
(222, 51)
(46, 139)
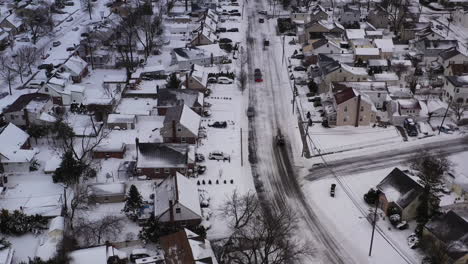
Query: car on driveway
(233, 30)
(218, 124)
(212, 80)
(224, 80)
(225, 40)
(218, 155)
(298, 56)
(261, 20)
(410, 127)
(56, 43)
(250, 111)
(70, 19)
(199, 157)
(263, 12)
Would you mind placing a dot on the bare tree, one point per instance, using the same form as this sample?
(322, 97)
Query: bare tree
(458, 109)
(397, 12)
(95, 232)
(88, 6)
(29, 55)
(258, 235)
(20, 65)
(39, 20)
(399, 69)
(7, 73)
(79, 200)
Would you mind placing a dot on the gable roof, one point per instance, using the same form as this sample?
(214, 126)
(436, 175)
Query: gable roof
(24, 100)
(344, 95)
(188, 248)
(75, 65)
(178, 190)
(458, 81)
(449, 53)
(452, 229)
(185, 116)
(12, 138)
(400, 188)
(172, 97)
(162, 155)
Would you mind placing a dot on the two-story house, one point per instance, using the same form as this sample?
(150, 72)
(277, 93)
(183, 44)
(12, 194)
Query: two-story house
(456, 89)
(181, 125)
(30, 109)
(351, 108)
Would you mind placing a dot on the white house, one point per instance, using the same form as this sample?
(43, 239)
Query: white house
(15, 153)
(77, 67)
(176, 200)
(460, 17)
(202, 55)
(63, 92)
(456, 89)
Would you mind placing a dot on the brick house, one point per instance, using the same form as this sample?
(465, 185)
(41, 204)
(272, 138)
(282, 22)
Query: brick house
(168, 98)
(181, 125)
(351, 108)
(116, 151)
(188, 248)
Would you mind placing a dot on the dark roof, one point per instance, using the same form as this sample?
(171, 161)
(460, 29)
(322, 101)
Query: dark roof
(173, 97)
(163, 153)
(327, 64)
(24, 100)
(459, 69)
(399, 181)
(458, 81)
(319, 43)
(452, 229)
(449, 53)
(181, 52)
(344, 95)
(174, 113)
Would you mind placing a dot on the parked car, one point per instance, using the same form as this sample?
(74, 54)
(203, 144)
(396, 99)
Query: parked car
(332, 190)
(138, 253)
(300, 68)
(445, 129)
(218, 155)
(212, 80)
(75, 29)
(261, 20)
(263, 12)
(224, 80)
(23, 39)
(225, 40)
(235, 4)
(207, 113)
(235, 14)
(410, 127)
(199, 157)
(206, 104)
(233, 11)
(48, 67)
(56, 43)
(280, 140)
(69, 19)
(85, 35)
(439, 27)
(258, 75)
(201, 169)
(221, 29)
(218, 124)
(69, 4)
(70, 49)
(250, 111)
(233, 30)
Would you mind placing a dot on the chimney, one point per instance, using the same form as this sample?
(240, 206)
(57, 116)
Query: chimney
(157, 88)
(171, 211)
(187, 81)
(26, 117)
(174, 131)
(358, 112)
(186, 5)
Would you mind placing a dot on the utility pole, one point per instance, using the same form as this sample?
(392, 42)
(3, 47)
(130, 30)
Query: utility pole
(282, 43)
(65, 198)
(443, 119)
(374, 222)
(294, 95)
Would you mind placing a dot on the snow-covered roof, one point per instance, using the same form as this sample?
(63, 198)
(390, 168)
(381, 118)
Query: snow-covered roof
(355, 33)
(115, 78)
(179, 190)
(355, 70)
(75, 65)
(153, 68)
(400, 188)
(162, 155)
(107, 189)
(377, 63)
(185, 116)
(386, 45)
(201, 249)
(120, 118)
(367, 51)
(409, 104)
(97, 255)
(12, 139)
(6, 255)
(436, 105)
(387, 76)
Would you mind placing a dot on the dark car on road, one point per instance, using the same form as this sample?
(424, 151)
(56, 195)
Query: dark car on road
(258, 75)
(298, 56)
(332, 190)
(300, 68)
(261, 20)
(233, 30)
(218, 124)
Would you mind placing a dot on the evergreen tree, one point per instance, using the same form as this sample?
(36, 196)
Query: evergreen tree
(69, 171)
(173, 82)
(152, 230)
(133, 203)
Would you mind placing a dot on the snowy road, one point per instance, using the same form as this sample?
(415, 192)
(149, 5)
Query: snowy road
(273, 168)
(385, 159)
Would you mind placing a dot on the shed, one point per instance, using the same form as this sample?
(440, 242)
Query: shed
(120, 121)
(107, 192)
(110, 150)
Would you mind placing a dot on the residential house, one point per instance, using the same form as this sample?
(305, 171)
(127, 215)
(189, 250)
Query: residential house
(450, 57)
(110, 150)
(385, 47)
(437, 108)
(401, 109)
(378, 65)
(365, 54)
(460, 17)
(176, 202)
(456, 89)
(62, 92)
(448, 233)
(355, 34)
(160, 160)
(400, 192)
(204, 55)
(390, 78)
(409, 30)
(16, 155)
(153, 72)
(324, 46)
(203, 36)
(121, 121)
(172, 97)
(376, 91)
(13, 23)
(319, 29)
(106, 192)
(352, 108)
(99, 255)
(188, 248)
(432, 48)
(197, 79)
(181, 125)
(34, 108)
(318, 13)
(77, 67)
(349, 15)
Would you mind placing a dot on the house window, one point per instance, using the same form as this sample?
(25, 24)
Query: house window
(177, 210)
(166, 170)
(183, 140)
(458, 90)
(345, 119)
(362, 108)
(179, 129)
(46, 90)
(378, 95)
(12, 117)
(346, 109)
(156, 170)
